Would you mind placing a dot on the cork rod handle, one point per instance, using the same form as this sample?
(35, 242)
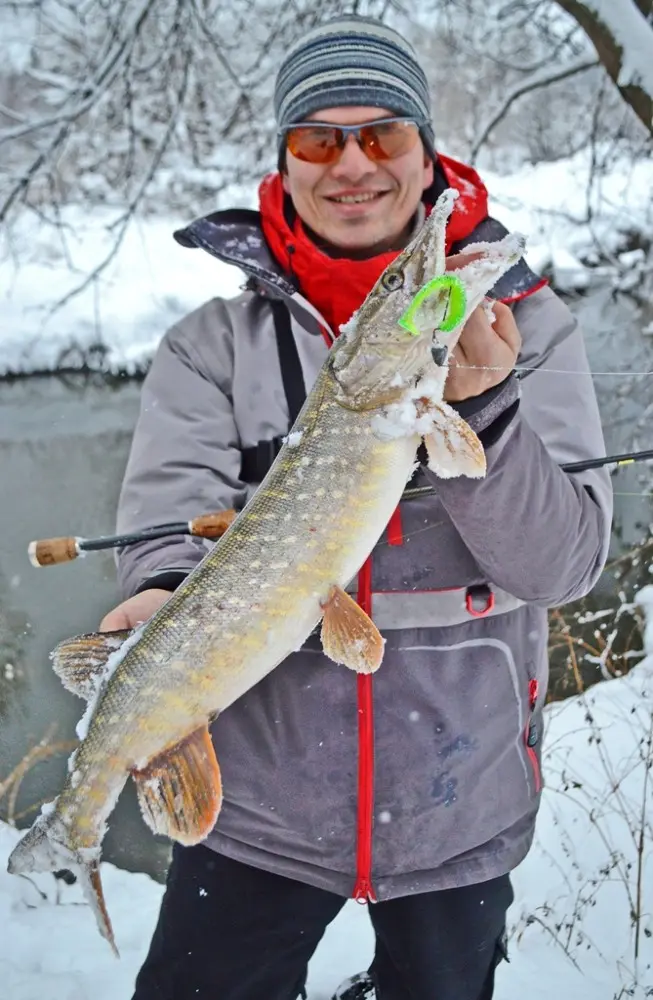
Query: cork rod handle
(50, 551)
(212, 525)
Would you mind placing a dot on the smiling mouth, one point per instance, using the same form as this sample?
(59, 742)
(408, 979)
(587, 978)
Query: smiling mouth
(356, 199)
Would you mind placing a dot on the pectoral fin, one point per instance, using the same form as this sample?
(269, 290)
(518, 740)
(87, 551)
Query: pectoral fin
(79, 663)
(349, 636)
(453, 447)
(180, 790)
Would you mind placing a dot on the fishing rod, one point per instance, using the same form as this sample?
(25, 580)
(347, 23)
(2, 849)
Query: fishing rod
(52, 551)
(629, 458)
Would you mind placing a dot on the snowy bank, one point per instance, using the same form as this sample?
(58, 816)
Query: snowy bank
(584, 895)
(117, 321)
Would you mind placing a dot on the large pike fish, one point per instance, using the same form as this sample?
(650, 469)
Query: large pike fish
(282, 565)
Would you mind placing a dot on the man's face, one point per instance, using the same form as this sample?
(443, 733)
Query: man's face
(369, 226)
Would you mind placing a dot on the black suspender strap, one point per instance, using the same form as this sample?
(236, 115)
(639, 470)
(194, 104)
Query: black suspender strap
(257, 459)
(291, 369)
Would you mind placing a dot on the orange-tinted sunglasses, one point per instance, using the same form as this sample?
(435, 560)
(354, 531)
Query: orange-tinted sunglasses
(320, 142)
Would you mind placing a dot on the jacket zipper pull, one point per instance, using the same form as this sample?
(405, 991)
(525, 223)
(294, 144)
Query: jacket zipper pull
(363, 892)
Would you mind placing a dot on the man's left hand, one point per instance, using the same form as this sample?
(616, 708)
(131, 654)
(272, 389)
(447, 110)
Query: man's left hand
(485, 354)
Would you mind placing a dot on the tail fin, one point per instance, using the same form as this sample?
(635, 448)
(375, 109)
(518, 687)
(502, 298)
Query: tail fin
(89, 877)
(44, 849)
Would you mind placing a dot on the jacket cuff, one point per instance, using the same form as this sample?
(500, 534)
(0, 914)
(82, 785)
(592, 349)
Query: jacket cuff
(490, 413)
(169, 580)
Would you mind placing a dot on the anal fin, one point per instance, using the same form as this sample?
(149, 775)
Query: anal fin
(180, 790)
(452, 446)
(79, 662)
(349, 636)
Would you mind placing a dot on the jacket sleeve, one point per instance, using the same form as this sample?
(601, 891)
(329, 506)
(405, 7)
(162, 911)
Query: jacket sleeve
(536, 531)
(185, 455)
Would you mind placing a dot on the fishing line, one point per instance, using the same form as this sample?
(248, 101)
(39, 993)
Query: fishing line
(551, 371)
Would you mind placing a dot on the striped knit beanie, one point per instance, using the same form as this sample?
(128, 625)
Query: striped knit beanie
(347, 62)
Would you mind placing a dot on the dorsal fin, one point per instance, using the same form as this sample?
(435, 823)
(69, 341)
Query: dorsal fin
(79, 662)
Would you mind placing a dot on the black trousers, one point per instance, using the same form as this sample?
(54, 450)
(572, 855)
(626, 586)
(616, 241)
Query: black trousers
(227, 931)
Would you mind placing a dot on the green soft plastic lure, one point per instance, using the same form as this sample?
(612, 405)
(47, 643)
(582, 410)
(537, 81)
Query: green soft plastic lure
(456, 305)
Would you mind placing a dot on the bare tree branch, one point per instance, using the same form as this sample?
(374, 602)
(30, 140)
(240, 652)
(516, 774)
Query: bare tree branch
(535, 82)
(122, 223)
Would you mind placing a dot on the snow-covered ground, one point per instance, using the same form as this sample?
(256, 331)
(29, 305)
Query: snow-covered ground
(152, 282)
(584, 895)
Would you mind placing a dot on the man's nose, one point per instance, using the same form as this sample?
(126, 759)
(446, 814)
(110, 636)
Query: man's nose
(353, 164)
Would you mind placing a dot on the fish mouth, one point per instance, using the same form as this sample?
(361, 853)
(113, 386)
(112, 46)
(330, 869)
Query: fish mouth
(424, 258)
(421, 301)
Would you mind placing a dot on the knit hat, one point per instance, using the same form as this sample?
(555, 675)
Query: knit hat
(347, 62)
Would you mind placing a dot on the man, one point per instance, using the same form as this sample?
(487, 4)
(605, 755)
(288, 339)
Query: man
(424, 808)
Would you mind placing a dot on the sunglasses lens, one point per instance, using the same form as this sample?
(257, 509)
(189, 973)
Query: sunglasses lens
(324, 143)
(388, 140)
(315, 145)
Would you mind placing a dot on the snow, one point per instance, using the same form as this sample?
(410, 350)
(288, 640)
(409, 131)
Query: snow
(549, 203)
(572, 930)
(152, 282)
(17, 26)
(112, 663)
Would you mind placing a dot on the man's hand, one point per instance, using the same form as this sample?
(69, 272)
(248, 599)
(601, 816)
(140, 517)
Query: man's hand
(134, 610)
(483, 344)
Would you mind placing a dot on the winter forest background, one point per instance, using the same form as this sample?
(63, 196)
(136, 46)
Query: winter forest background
(120, 120)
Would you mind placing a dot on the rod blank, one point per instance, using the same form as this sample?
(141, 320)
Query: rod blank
(52, 551)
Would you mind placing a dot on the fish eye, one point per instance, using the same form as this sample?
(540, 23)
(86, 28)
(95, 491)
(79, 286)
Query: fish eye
(392, 281)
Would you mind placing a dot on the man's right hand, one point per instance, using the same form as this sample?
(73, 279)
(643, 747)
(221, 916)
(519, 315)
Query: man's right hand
(134, 610)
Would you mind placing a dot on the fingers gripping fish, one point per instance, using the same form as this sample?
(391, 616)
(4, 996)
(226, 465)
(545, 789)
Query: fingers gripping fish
(282, 565)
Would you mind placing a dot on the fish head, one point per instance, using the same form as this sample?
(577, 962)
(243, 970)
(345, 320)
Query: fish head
(421, 302)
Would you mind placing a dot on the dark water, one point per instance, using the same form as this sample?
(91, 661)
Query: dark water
(63, 448)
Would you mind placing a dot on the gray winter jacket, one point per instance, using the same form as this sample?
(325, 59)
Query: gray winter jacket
(458, 699)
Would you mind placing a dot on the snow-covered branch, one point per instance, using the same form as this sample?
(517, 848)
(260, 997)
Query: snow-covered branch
(621, 31)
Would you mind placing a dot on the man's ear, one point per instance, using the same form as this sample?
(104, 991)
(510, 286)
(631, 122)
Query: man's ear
(285, 182)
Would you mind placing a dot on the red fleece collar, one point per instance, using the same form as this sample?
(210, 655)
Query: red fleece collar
(338, 286)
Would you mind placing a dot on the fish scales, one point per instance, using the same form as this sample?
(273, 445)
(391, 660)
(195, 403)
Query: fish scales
(251, 602)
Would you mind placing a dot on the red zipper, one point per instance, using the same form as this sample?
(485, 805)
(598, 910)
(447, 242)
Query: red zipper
(395, 533)
(363, 888)
(533, 689)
